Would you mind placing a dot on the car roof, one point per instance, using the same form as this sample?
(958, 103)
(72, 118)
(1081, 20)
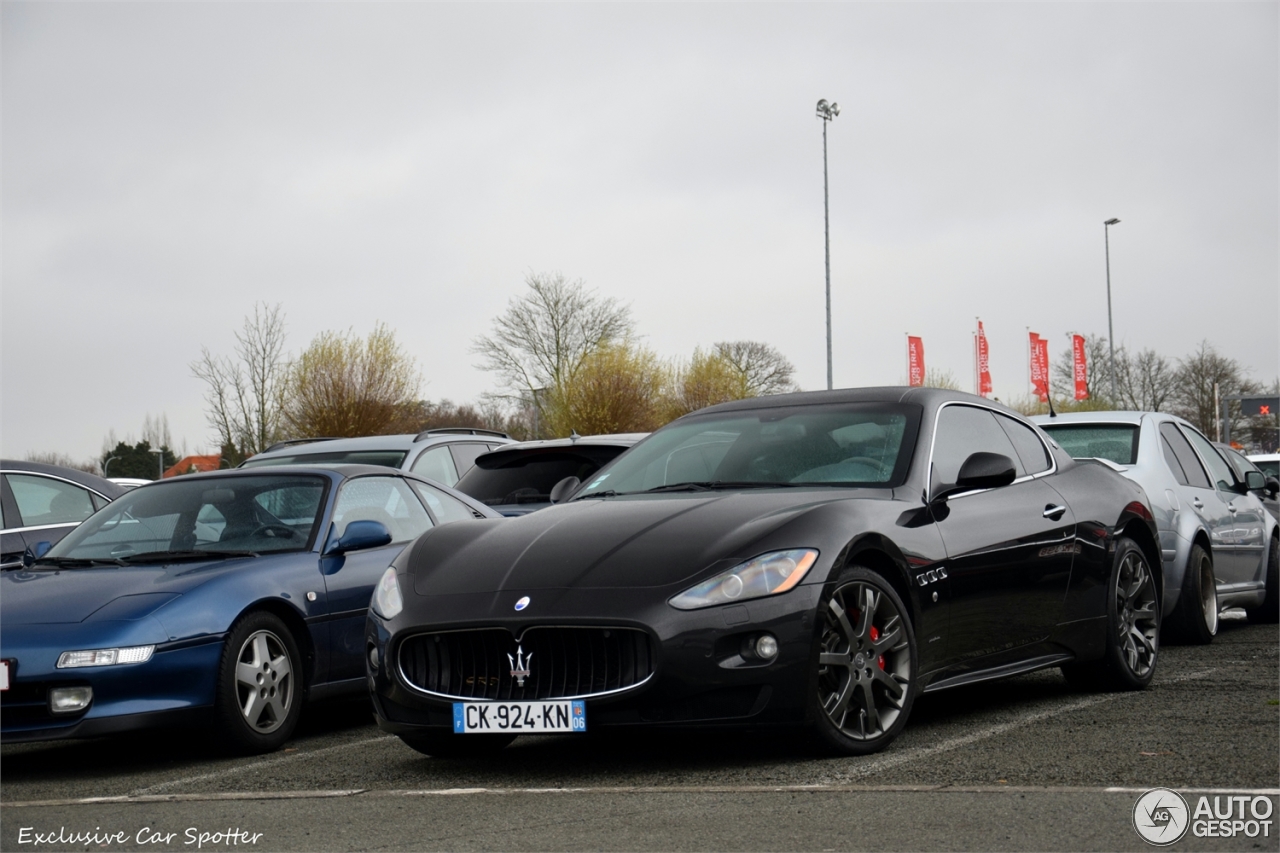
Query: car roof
(1093, 418)
(1262, 457)
(104, 487)
(404, 441)
(927, 397)
(619, 439)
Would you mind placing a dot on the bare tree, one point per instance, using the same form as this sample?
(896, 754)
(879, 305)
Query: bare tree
(244, 394)
(764, 369)
(1198, 374)
(344, 386)
(543, 337)
(1145, 382)
(1097, 372)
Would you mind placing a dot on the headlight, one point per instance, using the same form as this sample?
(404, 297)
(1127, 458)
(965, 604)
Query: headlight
(387, 600)
(105, 657)
(768, 574)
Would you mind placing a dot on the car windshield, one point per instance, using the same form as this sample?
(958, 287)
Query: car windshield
(1116, 443)
(527, 478)
(253, 514)
(850, 444)
(385, 458)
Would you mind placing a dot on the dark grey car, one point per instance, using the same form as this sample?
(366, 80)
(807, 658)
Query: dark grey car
(43, 503)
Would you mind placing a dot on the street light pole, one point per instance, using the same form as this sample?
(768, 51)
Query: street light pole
(159, 463)
(827, 112)
(1111, 334)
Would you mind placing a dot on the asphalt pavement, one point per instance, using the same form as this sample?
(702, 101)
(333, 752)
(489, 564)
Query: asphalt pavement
(1024, 764)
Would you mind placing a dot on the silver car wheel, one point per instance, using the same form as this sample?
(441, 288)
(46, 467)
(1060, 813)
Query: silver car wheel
(264, 682)
(1208, 596)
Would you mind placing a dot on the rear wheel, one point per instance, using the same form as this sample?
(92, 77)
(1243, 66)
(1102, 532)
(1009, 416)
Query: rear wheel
(1197, 616)
(863, 681)
(259, 684)
(450, 745)
(1269, 610)
(1133, 627)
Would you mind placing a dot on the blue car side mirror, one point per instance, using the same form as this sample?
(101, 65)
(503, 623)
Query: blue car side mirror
(33, 553)
(358, 536)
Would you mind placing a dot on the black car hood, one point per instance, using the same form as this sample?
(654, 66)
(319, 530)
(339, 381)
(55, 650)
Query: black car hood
(641, 541)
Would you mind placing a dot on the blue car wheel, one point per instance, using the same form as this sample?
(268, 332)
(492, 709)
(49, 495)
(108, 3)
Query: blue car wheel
(259, 684)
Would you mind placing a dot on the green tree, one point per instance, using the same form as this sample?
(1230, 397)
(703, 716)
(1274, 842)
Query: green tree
(137, 460)
(342, 385)
(708, 379)
(616, 388)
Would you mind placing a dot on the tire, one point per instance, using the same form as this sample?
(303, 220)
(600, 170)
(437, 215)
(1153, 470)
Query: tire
(863, 666)
(1133, 627)
(1196, 620)
(451, 745)
(260, 685)
(1269, 611)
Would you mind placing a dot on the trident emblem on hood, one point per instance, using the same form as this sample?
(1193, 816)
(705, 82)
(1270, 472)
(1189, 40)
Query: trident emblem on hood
(520, 665)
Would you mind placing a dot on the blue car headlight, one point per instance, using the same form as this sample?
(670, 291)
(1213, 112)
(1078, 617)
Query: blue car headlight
(768, 574)
(105, 657)
(387, 600)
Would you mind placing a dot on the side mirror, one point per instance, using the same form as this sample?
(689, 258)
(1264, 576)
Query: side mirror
(561, 490)
(35, 552)
(984, 470)
(1254, 481)
(358, 536)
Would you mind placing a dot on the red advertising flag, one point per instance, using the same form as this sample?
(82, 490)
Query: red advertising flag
(1079, 368)
(984, 369)
(915, 361)
(1042, 357)
(1039, 373)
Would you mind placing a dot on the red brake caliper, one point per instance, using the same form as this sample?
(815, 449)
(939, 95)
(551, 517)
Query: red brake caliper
(875, 635)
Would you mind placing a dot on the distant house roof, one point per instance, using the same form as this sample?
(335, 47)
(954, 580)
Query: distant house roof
(193, 464)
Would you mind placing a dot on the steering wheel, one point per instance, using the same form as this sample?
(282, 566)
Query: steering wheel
(275, 531)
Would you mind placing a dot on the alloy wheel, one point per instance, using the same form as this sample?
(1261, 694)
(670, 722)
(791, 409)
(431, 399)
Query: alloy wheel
(264, 681)
(1136, 608)
(864, 661)
(1208, 596)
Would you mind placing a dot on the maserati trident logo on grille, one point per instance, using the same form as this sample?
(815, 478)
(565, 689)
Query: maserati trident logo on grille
(520, 665)
(522, 603)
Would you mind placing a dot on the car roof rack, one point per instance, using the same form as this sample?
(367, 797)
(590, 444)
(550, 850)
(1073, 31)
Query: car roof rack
(459, 431)
(290, 442)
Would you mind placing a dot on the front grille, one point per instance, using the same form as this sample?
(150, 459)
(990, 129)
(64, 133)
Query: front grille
(562, 662)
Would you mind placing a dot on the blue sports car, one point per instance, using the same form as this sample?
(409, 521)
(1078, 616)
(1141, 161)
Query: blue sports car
(234, 596)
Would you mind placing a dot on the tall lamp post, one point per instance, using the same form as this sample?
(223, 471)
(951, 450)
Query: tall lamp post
(1111, 334)
(159, 463)
(827, 112)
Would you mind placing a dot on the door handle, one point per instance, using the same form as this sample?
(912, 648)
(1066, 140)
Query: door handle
(1197, 503)
(1231, 508)
(1053, 513)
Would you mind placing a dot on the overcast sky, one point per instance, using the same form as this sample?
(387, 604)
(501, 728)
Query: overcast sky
(166, 166)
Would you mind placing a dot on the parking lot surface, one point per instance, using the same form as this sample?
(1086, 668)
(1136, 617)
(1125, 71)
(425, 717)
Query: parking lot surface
(1021, 764)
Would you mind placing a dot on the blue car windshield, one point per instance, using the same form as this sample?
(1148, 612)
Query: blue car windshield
(257, 514)
(849, 444)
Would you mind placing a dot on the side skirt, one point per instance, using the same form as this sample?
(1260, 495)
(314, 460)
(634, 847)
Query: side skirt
(1016, 668)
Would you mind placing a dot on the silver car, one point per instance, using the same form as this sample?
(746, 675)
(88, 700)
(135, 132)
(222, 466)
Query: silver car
(1220, 546)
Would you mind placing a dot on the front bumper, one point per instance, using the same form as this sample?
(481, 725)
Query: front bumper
(700, 678)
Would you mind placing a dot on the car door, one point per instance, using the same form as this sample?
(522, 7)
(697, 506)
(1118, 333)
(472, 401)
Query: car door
(1203, 498)
(349, 578)
(1243, 544)
(1009, 549)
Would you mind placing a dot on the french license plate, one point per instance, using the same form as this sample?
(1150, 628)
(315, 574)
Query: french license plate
(524, 717)
(4, 675)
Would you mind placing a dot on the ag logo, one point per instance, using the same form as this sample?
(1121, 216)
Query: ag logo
(1160, 816)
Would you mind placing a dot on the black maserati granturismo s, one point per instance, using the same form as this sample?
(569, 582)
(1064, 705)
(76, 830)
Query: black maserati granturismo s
(814, 559)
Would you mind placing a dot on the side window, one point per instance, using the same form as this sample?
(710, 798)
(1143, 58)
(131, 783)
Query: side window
(1218, 467)
(1186, 456)
(964, 430)
(1031, 450)
(384, 499)
(444, 507)
(1171, 459)
(464, 455)
(43, 500)
(436, 464)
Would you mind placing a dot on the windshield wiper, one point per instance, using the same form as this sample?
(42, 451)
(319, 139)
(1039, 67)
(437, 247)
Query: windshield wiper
(176, 556)
(77, 562)
(607, 493)
(710, 485)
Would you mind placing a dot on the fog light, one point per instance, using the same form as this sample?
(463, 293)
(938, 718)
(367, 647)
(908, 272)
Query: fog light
(767, 647)
(69, 700)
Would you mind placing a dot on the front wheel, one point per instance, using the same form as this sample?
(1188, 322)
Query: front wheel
(259, 684)
(863, 668)
(1268, 612)
(1133, 627)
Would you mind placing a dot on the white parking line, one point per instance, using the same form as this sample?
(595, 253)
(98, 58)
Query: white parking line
(272, 761)
(897, 759)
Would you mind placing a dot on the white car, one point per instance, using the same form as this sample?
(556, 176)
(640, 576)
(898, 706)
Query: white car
(1268, 462)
